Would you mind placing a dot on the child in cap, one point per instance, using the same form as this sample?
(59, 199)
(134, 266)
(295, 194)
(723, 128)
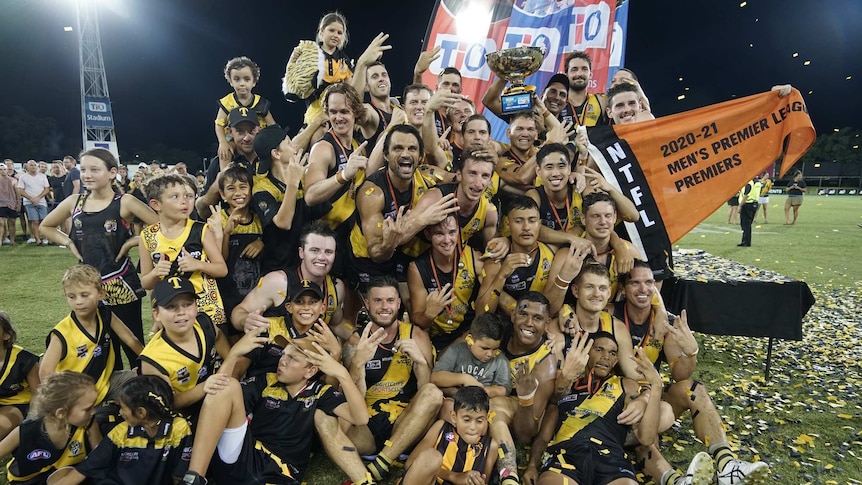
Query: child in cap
(184, 350)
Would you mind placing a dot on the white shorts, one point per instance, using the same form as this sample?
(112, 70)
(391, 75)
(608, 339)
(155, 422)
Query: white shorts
(763, 200)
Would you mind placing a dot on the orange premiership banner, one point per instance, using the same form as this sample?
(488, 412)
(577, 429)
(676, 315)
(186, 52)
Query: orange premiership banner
(679, 169)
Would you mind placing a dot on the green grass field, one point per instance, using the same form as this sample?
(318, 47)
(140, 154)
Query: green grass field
(806, 421)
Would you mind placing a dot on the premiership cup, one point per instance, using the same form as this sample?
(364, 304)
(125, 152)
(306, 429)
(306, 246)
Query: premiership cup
(514, 65)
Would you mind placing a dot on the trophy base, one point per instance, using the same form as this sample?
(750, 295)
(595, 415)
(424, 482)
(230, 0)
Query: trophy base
(517, 99)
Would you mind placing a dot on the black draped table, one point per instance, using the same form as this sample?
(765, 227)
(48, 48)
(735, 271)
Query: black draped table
(723, 297)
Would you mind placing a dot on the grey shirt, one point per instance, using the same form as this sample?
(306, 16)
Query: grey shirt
(495, 372)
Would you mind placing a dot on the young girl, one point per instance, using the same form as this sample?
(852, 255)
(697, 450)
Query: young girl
(337, 67)
(57, 433)
(151, 447)
(19, 378)
(101, 236)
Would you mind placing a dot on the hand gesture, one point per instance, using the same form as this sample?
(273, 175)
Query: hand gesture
(561, 133)
(357, 161)
(367, 345)
(438, 300)
(250, 341)
(410, 348)
(232, 221)
(443, 99)
(163, 267)
(322, 334)
(596, 182)
(255, 321)
(574, 261)
(514, 261)
(438, 211)
(393, 227)
(188, 263)
(375, 49)
(577, 357)
(646, 368)
(496, 249)
(682, 335)
(324, 361)
(443, 140)
(296, 166)
(214, 222)
(425, 59)
(525, 383)
(660, 324)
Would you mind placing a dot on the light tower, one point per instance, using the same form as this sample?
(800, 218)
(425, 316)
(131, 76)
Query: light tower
(97, 120)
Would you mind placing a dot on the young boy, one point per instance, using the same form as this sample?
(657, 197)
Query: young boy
(242, 74)
(459, 453)
(180, 246)
(184, 351)
(274, 445)
(476, 361)
(242, 246)
(298, 317)
(81, 342)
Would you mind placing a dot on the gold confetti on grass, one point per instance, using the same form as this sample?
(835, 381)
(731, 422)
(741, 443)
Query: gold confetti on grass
(806, 420)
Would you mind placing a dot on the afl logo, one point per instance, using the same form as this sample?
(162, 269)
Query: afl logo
(39, 455)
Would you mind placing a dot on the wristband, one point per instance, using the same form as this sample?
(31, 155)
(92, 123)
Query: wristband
(562, 281)
(525, 403)
(339, 177)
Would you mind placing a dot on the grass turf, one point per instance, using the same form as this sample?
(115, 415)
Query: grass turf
(806, 421)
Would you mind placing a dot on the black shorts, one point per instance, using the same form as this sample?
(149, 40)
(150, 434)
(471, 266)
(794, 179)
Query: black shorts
(255, 465)
(7, 213)
(381, 424)
(587, 462)
(733, 201)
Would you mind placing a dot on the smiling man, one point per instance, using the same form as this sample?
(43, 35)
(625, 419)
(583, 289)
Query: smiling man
(391, 364)
(382, 238)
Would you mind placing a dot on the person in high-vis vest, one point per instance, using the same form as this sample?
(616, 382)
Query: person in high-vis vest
(748, 198)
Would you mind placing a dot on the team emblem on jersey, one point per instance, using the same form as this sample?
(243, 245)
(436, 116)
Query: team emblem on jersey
(546, 264)
(450, 437)
(111, 225)
(78, 223)
(183, 375)
(203, 371)
(75, 447)
(81, 351)
(373, 364)
(270, 403)
(475, 224)
(97, 352)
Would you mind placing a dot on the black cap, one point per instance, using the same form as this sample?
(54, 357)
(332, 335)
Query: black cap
(559, 78)
(239, 115)
(268, 139)
(304, 286)
(169, 288)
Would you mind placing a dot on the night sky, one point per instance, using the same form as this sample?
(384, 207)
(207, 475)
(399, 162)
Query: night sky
(164, 58)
